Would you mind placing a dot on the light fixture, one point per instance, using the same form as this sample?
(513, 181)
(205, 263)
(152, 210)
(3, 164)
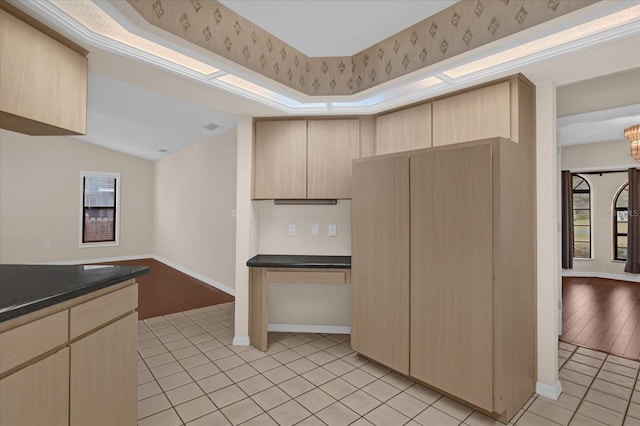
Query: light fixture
(633, 134)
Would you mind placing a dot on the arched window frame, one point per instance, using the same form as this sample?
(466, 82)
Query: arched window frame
(589, 215)
(620, 213)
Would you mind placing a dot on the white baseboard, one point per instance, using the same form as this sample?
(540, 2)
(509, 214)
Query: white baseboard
(207, 280)
(299, 328)
(550, 392)
(241, 341)
(626, 277)
(100, 260)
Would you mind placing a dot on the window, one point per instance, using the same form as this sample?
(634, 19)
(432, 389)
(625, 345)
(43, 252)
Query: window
(100, 204)
(620, 223)
(581, 218)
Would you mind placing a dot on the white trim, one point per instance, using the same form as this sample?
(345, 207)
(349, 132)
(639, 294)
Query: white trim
(551, 392)
(100, 260)
(241, 341)
(630, 277)
(207, 280)
(300, 328)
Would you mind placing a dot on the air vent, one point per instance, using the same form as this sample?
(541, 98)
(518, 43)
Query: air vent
(163, 151)
(211, 126)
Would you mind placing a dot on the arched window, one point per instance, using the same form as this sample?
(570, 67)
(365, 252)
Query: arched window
(620, 223)
(581, 218)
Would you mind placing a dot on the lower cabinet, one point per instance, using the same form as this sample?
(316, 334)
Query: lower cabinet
(443, 268)
(103, 376)
(37, 394)
(73, 365)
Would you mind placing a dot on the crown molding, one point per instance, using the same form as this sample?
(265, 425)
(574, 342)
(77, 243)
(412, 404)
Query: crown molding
(410, 88)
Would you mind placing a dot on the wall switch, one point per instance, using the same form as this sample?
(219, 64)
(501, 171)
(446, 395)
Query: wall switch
(292, 230)
(315, 229)
(332, 231)
(234, 213)
(47, 244)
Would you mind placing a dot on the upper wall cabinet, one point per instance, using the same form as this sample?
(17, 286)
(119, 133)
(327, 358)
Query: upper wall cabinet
(404, 130)
(43, 82)
(478, 114)
(280, 159)
(331, 146)
(300, 159)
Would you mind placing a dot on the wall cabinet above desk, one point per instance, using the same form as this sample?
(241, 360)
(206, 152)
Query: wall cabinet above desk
(304, 159)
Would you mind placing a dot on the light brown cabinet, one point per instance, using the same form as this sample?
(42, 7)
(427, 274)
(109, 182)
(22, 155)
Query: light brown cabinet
(459, 276)
(72, 363)
(37, 394)
(403, 130)
(43, 81)
(300, 159)
(331, 147)
(103, 376)
(380, 258)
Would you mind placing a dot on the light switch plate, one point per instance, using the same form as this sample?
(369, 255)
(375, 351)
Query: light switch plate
(333, 231)
(315, 229)
(292, 230)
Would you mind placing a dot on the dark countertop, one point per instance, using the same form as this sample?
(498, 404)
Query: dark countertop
(299, 261)
(28, 288)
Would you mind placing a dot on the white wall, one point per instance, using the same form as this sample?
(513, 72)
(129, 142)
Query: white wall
(601, 156)
(195, 192)
(40, 199)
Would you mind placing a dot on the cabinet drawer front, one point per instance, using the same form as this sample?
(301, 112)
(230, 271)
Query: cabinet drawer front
(329, 277)
(28, 341)
(94, 313)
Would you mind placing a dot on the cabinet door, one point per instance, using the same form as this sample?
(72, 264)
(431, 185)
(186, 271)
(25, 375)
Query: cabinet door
(280, 160)
(451, 272)
(404, 130)
(479, 114)
(331, 147)
(43, 83)
(380, 260)
(103, 376)
(37, 394)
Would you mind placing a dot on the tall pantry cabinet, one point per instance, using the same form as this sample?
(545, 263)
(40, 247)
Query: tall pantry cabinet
(443, 265)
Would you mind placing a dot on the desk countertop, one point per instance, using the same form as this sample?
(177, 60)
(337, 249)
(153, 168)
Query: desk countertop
(299, 261)
(28, 288)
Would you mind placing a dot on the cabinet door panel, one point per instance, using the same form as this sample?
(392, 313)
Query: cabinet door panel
(479, 114)
(380, 261)
(280, 160)
(332, 145)
(404, 130)
(451, 272)
(103, 376)
(37, 394)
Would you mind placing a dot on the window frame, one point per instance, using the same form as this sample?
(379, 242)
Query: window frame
(617, 234)
(110, 243)
(582, 191)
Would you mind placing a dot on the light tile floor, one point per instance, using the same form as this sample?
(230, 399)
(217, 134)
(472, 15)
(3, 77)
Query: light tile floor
(190, 374)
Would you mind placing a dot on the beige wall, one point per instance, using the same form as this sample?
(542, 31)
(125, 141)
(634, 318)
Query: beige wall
(273, 228)
(195, 192)
(40, 199)
(601, 156)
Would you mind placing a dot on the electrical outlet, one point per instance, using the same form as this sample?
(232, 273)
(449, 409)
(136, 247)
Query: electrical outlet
(333, 231)
(292, 230)
(234, 213)
(315, 229)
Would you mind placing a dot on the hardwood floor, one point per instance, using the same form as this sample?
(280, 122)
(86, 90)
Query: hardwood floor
(166, 290)
(602, 314)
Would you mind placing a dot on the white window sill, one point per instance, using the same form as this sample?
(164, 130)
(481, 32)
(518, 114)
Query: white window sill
(583, 259)
(106, 244)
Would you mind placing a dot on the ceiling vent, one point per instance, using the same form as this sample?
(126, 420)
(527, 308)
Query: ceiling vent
(211, 126)
(163, 151)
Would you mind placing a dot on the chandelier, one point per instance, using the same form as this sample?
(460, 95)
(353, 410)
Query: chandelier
(633, 134)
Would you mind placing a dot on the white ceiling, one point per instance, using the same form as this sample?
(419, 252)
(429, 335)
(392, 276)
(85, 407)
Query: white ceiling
(138, 107)
(335, 27)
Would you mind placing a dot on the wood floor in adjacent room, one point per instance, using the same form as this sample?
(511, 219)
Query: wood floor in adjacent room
(166, 290)
(602, 314)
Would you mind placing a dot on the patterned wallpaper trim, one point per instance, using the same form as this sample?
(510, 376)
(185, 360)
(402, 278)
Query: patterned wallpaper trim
(461, 27)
